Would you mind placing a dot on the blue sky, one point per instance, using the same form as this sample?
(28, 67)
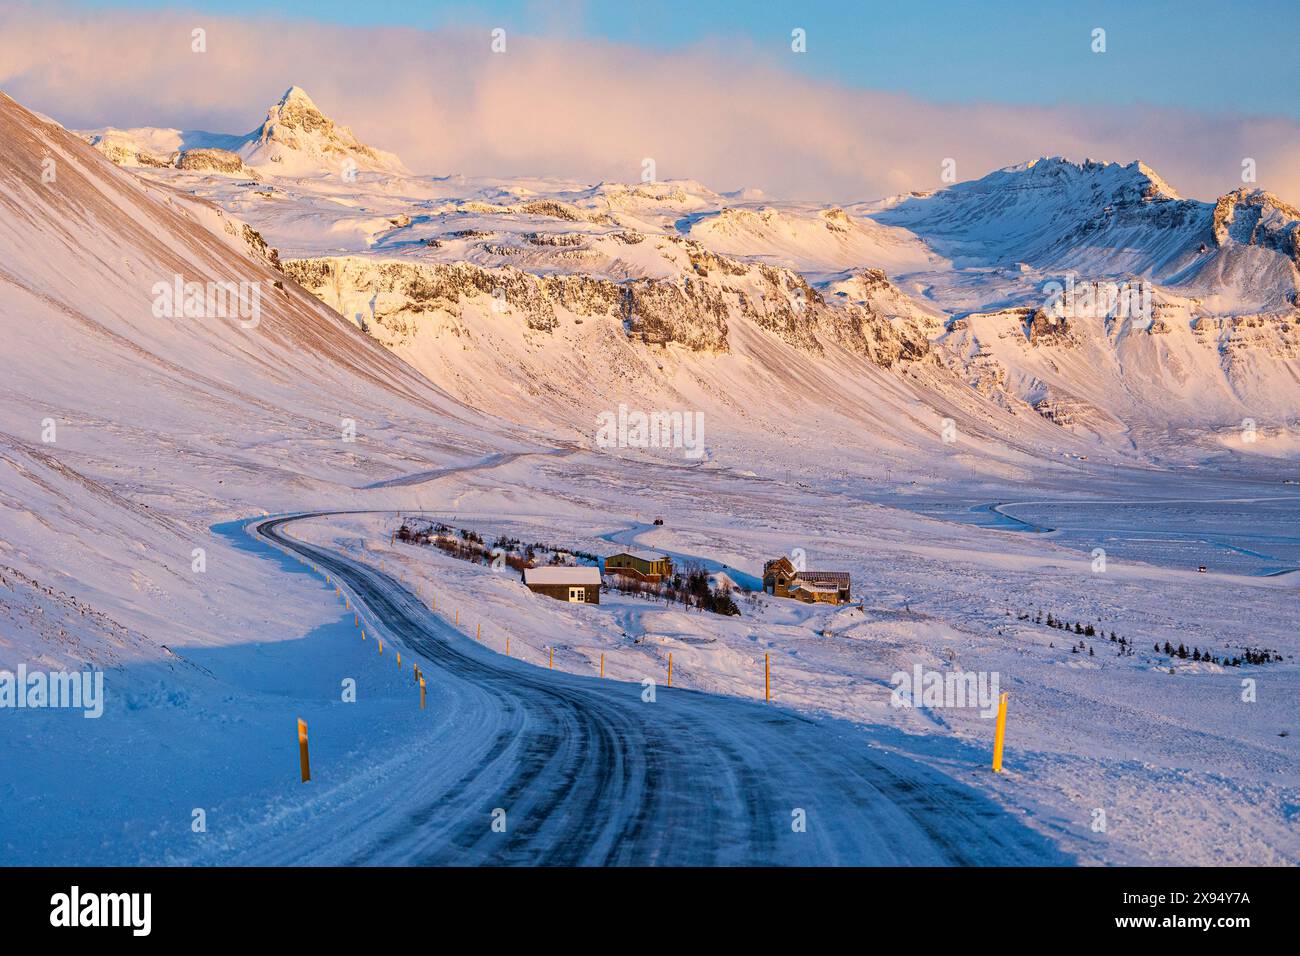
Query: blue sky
(1194, 54)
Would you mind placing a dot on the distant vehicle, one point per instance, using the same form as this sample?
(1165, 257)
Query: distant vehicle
(659, 520)
(1201, 569)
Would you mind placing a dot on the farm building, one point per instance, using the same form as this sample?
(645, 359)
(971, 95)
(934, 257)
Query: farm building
(643, 565)
(577, 585)
(780, 579)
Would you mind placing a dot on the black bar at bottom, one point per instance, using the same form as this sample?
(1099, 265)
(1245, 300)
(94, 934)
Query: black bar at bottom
(925, 906)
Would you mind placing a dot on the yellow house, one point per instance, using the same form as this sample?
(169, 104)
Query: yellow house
(646, 565)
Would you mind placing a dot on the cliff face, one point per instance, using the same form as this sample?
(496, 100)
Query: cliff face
(697, 311)
(213, 160)
(1257, 218)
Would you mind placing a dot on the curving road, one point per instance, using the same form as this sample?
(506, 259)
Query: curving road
(591, 775)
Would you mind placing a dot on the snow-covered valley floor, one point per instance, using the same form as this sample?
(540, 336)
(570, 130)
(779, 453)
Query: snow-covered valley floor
(1110, 759)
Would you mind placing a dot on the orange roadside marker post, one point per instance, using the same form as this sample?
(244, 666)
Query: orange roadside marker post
(602, 664)
(381, 644)
(670, 668)
(507, 645)
(422, 693)
(552, 658)
(305, 765)
(1000, 734)
(399, 660)
(478, 636)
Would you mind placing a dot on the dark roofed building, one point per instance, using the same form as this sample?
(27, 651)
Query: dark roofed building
(780, 579)
(575, 584)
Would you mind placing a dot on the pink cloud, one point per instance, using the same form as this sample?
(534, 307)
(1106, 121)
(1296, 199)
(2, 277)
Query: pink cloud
(590, 110)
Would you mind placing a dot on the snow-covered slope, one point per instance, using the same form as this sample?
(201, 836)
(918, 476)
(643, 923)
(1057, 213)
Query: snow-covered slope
(129, 424)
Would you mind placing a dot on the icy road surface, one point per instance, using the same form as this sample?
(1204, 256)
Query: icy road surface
(590, 774)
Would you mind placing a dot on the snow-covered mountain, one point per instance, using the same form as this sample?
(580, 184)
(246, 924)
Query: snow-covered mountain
(1110, 220)
(295, 139)
(1177, 321)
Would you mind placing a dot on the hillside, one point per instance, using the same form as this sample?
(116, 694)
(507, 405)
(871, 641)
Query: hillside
(130, 423)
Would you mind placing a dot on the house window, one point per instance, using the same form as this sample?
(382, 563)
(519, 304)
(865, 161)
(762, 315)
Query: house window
(577, 595)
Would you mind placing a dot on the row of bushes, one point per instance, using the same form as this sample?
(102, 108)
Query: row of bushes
(1249, 656)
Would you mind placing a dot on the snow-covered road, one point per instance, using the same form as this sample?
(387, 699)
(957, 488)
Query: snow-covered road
(588, 772)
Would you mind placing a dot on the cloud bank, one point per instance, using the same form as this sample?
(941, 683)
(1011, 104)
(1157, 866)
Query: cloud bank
(722, 113)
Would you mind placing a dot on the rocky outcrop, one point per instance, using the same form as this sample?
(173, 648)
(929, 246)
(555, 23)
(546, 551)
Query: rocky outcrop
(697, 311)
(1043, 328)
(120, 150)
(213, 161)
(1257, 218)
(692, 314)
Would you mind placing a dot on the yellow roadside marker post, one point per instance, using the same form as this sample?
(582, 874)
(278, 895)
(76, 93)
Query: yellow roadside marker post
(767, 677)
(381, 644)
(422, 693)
(507, 645)
(552, 658)
(302, 750)
(1000, 734)
(363, 633)
(478, 636)
(602, 664)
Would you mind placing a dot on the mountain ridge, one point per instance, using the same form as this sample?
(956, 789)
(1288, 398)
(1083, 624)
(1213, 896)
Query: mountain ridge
(961, 276)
